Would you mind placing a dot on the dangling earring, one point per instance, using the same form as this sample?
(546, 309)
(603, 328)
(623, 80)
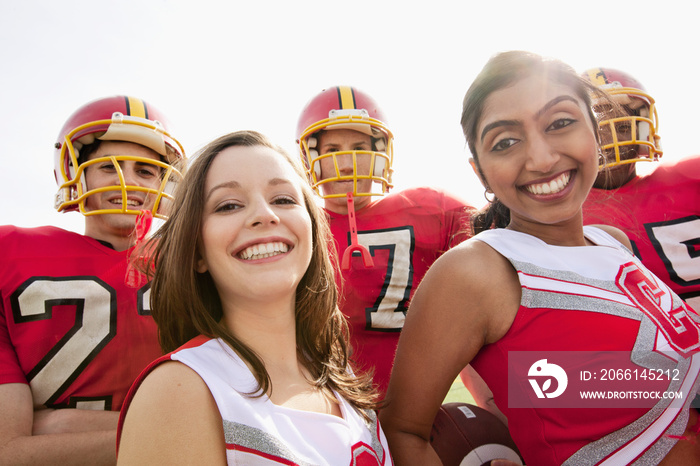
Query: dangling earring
(488, 191)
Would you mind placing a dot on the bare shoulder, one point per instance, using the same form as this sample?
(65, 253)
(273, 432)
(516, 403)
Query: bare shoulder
(172, 402)
(474, 279)
(170, 371)
(617, 234)
(462, 259)
(170, 382)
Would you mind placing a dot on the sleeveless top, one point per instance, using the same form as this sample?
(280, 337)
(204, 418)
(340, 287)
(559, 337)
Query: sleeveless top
(592, 299)
(258, 432)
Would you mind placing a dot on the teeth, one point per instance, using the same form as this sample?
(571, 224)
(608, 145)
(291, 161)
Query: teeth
(261, 251)
(128, 202)
(552, 187)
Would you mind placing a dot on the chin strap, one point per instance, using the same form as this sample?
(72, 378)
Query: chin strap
(354, 245)
(134, 277)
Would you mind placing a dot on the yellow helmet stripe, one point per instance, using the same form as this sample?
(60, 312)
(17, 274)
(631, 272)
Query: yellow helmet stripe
(136, 107)
(597, 76)
(346, 97)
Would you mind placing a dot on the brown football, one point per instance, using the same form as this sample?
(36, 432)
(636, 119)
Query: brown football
(466, 435)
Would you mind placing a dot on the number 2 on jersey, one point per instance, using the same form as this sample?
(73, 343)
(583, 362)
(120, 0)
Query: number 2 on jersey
(94, 304)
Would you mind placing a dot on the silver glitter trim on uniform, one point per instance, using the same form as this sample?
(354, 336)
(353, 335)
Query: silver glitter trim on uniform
(259, 440)
(372, 425)
(256, 429)
(643, 353)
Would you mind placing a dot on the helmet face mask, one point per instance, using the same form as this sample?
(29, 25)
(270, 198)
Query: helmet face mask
(345, 108)
(119, 119)
(155, 195)
(628, 133)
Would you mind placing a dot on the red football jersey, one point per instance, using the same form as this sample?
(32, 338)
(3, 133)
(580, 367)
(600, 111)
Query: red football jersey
(660, 212)
(70, 327)
(405, 233)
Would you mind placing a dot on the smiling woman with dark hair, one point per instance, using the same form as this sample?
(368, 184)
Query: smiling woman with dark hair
(544, 284)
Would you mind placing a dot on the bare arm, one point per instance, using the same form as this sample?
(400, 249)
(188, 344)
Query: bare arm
(62, 421)
(466, 300)
(173, 419)
(483, 396)
(65, 446)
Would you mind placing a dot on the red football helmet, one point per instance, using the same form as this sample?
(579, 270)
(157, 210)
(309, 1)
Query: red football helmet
(116, 118)
(344, 107)
(631, 138)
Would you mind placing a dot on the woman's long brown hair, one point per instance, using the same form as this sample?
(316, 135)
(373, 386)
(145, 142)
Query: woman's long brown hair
(185, 303)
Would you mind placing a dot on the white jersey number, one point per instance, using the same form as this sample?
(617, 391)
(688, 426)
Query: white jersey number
(95, 325)
(678, 245)
(389, 311)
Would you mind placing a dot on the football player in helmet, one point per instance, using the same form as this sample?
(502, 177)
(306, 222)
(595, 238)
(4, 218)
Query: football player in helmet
(629, 131)
(385, 242)
(133, 161)
(75, 324)
(346, 147)
(659, 211)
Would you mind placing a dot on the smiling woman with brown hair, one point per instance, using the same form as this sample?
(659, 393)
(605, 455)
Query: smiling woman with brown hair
(244, 296)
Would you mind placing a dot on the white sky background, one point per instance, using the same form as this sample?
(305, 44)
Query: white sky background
(215, 66)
